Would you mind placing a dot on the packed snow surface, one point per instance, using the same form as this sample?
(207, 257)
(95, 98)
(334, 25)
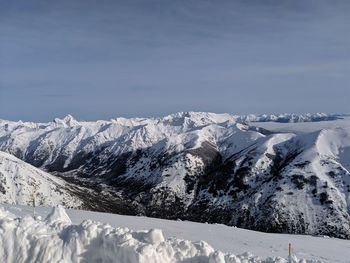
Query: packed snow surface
(51, 237)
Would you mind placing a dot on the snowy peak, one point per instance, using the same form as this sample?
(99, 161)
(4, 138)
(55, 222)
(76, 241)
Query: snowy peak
(290, 117)
(67, 121)
(198, 166)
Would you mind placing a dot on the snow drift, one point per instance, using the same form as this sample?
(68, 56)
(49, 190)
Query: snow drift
(55, 239)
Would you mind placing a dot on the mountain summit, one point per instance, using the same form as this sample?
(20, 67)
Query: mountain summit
(198, 166)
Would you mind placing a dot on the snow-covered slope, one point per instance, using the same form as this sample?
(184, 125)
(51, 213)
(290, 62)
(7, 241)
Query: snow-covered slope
(199, 166)
(53, 237)
(20, 183)
(303, 127)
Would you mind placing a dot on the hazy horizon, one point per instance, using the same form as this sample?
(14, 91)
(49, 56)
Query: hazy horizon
(164, 115)
(107, 59)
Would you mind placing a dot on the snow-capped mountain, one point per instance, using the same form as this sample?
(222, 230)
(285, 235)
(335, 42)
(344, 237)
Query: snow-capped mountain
(199, 166)
(290, 117)
(21, 183)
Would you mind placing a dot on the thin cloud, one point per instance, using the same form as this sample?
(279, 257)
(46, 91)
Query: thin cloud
(117, 56)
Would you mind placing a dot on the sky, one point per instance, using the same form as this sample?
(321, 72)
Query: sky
(106, 59)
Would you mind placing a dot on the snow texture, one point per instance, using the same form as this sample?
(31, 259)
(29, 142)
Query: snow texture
(21, 183)
(28, 239)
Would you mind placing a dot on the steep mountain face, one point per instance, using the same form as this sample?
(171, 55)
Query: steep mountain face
(198, 166)
(20, 183)
(298, 184)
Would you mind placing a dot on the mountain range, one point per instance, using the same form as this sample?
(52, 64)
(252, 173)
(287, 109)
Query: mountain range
(206, 167)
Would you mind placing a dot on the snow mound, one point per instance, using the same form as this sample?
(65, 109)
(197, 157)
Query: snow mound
(58, 214)
(153, 236)
(30, 239)
(5, 214)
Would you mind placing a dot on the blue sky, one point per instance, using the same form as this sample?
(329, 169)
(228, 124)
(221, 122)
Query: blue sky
(103, 59)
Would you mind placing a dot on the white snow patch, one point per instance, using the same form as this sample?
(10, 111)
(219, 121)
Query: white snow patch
(29, 239)
(58, 214)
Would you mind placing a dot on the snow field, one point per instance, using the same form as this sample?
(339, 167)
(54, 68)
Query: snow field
(56, 239)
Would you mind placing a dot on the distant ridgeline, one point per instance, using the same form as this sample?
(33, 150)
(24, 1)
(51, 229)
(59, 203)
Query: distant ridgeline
(288, 117)
(198, 166)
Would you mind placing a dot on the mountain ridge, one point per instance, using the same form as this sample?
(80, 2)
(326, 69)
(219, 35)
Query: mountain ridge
(198, 166)
(280, 117)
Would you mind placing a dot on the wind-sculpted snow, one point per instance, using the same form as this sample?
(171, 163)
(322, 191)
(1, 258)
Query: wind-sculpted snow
(55, 239)
(198, 166)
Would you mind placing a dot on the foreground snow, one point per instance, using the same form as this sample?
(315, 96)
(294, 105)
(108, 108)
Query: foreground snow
(56, 239)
